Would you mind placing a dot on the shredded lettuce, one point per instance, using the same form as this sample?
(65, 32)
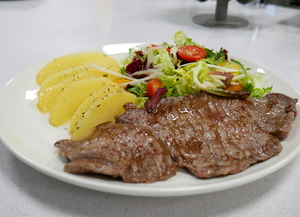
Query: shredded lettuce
(252, 82)
(181, 39)
(140, 101)
(259, 92)
(180, 83)
(215, 58)
(163, 57)
(139, 90)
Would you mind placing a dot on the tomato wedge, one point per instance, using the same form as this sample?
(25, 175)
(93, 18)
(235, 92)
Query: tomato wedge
(152, 86)
(191, 53)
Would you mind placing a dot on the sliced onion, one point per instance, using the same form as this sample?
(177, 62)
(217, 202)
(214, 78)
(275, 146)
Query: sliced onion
(150, 57)
(157, 74)
(238, 77)
(224, 68)
(110, 72)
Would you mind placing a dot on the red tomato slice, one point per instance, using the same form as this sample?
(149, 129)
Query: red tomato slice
(191, 53)
(152, 86)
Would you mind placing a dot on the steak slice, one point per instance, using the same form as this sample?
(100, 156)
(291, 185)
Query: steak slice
(120, 150)
(214, 136)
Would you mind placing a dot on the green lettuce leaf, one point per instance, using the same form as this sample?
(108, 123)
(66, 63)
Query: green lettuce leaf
(163, 57)
(181, 39)
(252, 82)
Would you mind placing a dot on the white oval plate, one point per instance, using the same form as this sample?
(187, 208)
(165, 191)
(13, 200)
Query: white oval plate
(29, 136)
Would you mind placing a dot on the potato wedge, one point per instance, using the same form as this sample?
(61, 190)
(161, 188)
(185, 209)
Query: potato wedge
(102, 110)
(73, 73)
(73, 60)
(72, 96)
(47, 96)
(87, 103)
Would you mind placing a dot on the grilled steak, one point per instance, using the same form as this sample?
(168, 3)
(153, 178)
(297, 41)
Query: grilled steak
(120, 150)
(209, 135)
(214, 136)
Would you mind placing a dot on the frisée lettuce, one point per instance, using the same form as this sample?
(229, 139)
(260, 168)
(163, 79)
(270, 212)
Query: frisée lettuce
(182, 72)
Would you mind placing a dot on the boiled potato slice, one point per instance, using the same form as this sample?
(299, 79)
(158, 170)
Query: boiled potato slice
(102, 110)
(73, 60)
(86, 104)
(47, 96)
(72, 96)
(73, 73)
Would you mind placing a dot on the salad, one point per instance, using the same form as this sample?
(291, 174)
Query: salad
(165, 70)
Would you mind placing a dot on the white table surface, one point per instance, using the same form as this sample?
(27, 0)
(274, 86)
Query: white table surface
(34, 30)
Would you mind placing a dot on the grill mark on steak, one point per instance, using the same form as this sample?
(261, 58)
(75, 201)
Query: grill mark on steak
(214, 136)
